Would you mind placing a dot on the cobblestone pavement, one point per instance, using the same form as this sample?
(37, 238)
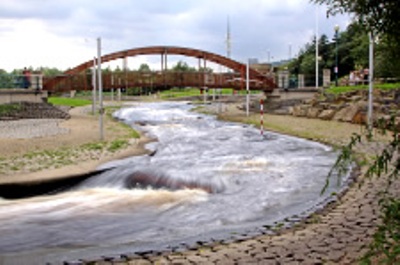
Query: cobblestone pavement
(31, 128)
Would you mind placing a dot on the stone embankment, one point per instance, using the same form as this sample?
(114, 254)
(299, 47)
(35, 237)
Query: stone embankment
(347, 107)
(32, 110)
(30, 120)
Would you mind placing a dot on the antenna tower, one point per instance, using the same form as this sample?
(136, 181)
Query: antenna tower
(228, 39)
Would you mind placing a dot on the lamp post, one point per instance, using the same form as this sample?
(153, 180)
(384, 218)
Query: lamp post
(100, 87)
(336, 54)
(371, 80)
(316, 48)
(247, 87)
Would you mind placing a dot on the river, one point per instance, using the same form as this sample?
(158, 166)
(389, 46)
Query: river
(205, 179)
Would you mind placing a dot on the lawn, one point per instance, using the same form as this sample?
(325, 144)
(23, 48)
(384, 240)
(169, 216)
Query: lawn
(72, 102)
(190, 92)
(343, 89)
(7, 108)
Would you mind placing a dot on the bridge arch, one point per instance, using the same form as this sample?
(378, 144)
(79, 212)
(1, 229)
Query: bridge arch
(170, 50)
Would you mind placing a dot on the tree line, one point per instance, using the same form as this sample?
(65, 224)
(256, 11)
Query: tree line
(352, 53)
(180, 66)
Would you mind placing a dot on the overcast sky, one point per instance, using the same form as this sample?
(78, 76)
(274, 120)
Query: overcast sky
(62, 34)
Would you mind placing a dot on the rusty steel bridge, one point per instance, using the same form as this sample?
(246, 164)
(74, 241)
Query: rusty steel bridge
(80, 77)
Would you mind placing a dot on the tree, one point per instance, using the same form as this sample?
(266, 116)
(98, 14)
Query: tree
(182, 67)
(387, 59)
(50, 71)
(381, 18)
(353, 47)
(144, 67)
(305, 63)
(377, 16)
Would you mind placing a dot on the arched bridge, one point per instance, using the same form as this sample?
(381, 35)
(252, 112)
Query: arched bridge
(79, 78)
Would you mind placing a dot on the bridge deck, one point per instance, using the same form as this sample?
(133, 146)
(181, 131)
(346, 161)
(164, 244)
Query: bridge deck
(75, 80)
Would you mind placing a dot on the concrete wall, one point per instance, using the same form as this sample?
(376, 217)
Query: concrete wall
(18, 95)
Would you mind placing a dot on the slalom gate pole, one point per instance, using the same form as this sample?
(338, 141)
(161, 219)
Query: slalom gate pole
(262, 116)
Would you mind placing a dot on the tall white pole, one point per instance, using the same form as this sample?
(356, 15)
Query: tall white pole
(316, 49)
(112, 87)
(100, 84)
(94, 86)
(247, 88)
(371, 80)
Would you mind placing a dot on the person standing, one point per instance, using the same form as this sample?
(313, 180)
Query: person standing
(27, 78)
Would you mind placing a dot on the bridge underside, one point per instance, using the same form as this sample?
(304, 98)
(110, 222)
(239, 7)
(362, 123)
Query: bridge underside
(80, 77)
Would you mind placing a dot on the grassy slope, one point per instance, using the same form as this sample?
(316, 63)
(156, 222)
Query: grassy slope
(343, 89)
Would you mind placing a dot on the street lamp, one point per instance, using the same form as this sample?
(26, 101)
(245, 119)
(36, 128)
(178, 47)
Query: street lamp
(336, 56)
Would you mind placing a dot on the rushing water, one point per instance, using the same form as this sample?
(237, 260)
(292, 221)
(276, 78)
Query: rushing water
(205, 178)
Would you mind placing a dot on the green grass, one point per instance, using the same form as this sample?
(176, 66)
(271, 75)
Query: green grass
(132, 132)
(117, 144)
(344, 89)
(8, 108)
(72, 102)
(191, 92)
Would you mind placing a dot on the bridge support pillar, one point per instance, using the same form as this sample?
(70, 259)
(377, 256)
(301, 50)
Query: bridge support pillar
(119, 94)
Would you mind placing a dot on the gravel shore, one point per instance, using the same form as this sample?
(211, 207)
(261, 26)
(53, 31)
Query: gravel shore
(31, 128)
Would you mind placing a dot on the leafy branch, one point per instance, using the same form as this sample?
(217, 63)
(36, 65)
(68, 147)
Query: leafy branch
(385, 247)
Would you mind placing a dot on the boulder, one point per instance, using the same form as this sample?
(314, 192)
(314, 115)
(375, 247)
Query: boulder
(360, 118)
(300, 111)
(283, 111)
(346, 114)
(327, 114)
(356, 98)
(313, 112)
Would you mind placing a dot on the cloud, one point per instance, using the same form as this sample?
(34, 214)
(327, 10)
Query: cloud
(62, 33)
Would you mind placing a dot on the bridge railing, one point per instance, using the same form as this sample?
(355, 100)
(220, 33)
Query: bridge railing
(154, 79)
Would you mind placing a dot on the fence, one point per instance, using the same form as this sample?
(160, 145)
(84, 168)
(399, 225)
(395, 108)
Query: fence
(11, 81)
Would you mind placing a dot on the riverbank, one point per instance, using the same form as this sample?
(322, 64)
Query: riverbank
(36, 150)
(334, 236)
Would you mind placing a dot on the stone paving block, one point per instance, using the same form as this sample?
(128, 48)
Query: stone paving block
(205, 252)
(196, 259)
(103, 262)
(268, 262)
(181, 261)
(217, 257)
(247, 260)
(139, 262)
(335, 256)
(265, 256)
(224, 261)
(161, 261)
